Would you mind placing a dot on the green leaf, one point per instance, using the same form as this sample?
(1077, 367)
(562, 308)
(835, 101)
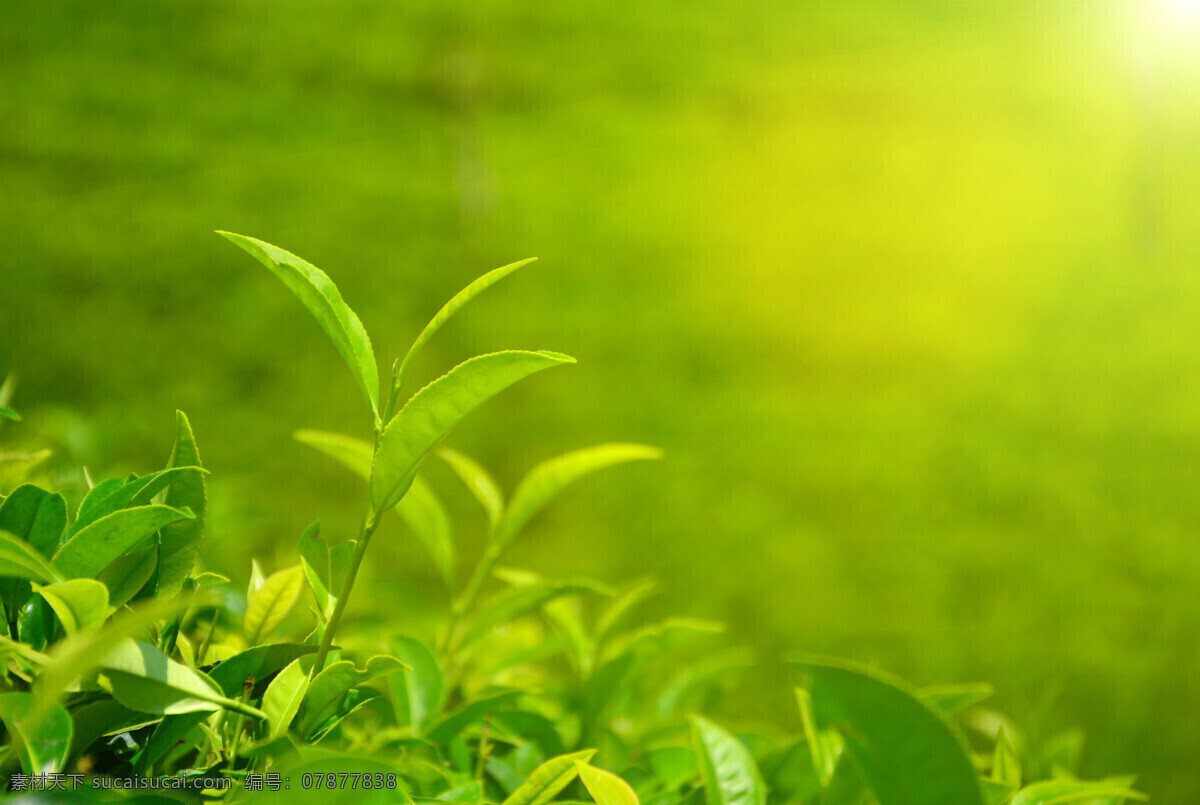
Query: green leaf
(1061, 792)
(908, 752)
(454, 723)
(356, 454)
(426, 517)
(479, 482)
(78, 603)
(181, 540)
(8, 413)
(824, 746)
(605, 787)
(548, 779)
(142, 678)
(116, 493)
(257, 663)
(456, 303)
(95, 547)
(20, 560)
(1006, 765)
(314, 558)
(420, 509)
(269, 604)
(995, 793)
(318, 293)
(125, 577)
(514, 603)
(729, 772)
(283, 696)
(550, 477)
(616, 611)
(44, 746)
(417, 695)
(951, 699)
(36, 516)
(327, 688)
(436, 409)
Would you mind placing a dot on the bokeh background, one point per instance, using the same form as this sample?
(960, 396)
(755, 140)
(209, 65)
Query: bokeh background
(909, 293)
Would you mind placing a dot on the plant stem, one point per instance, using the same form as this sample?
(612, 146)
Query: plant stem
(369, 525)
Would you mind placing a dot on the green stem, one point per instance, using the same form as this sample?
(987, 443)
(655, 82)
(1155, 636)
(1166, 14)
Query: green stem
(369, 525)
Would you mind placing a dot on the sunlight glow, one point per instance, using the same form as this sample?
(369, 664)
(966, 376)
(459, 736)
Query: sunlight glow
(1183, 11)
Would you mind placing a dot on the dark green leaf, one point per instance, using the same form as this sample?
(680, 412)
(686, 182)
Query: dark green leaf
(454, 723)
(909, 754)
(36, 516)
(8, 413)
(20, 560)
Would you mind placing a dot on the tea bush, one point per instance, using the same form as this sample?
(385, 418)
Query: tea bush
(126, 667)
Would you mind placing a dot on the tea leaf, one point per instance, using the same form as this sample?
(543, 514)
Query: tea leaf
(1061, 792)
(436, 409)
(548, 779)
(255, 663)
(512, 604)
(550, 477)
(8, 413)
(328, 687)
(416, 694)
(318, 293)
(478, 481)
(142, 678)
(605, 787)
(1006, 765)
(420, 509)
(36, 516)
(78, 603)
(951, 699)
(95, 547)
(44, 746)
(451, 725)
(180, 541)
(456, 303)
(729, 772)
(282, 699)
(824, 746)
(269, 605)
(20, 560)
(426, 517)
(907, 751)
(128, 574)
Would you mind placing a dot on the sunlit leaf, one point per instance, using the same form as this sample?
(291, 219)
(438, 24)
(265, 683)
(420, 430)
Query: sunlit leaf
(283, 696)
(1062, 792)
(730, 775)
(20, 560)
(514, 603)
(455, 304)
(1006, 765)
(95, 547)
(951, 699)
(550, 477)
(318, 293)
(78, 603)
(548, 779)
(436, 409)
(128, 574)
(181, 540)
(333, 682)
(605, 787)
(478, 481)
(142, 678)
(270, 603)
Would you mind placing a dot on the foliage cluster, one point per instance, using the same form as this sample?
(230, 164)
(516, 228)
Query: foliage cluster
(120, 657)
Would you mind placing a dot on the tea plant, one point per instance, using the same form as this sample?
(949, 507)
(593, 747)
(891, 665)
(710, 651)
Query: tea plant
(121, 658)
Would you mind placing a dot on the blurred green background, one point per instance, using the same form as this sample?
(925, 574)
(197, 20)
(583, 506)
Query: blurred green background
(907, 291)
